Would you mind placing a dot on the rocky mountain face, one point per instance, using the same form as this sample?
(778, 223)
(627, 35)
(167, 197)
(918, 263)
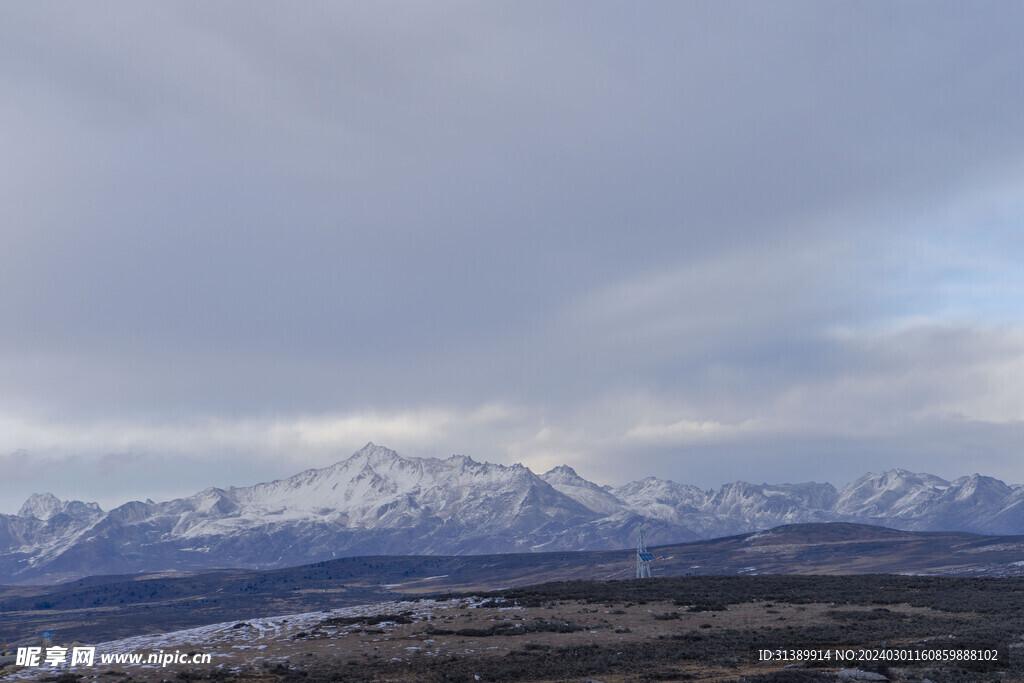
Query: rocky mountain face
(378, 502)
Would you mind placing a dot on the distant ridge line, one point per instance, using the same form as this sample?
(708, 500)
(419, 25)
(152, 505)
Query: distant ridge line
(380, 502)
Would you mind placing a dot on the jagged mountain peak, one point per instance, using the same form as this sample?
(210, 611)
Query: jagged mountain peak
(562, 473)
(595, 498)
(891, 482)
(41, 506)
(372, 451)
(664, 500)
(893, 493)
(899, 476)
(976, 485)
(44, 506)
(977, 478)
(654, 483)
(464, 463)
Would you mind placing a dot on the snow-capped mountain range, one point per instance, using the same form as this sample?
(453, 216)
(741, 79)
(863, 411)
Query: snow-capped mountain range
(378, 502)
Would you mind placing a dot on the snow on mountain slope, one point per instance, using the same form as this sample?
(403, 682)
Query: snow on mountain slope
(377, 502)
(758, 506)
(662, 499)
(595, 498)
(889, 493)
(971, 503)
(44, 528)
(378, 488)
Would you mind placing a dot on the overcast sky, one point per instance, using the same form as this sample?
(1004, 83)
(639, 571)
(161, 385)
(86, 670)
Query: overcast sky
(704, 241)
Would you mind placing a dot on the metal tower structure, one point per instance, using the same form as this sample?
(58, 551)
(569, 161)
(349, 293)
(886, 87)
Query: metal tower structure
(643, 558)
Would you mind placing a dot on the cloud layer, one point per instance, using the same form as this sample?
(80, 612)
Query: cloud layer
(724, 241)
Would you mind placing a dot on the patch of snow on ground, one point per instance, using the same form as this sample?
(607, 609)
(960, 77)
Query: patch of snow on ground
(248, 634)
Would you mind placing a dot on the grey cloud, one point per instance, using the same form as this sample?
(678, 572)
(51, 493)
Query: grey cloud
(249, 212)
